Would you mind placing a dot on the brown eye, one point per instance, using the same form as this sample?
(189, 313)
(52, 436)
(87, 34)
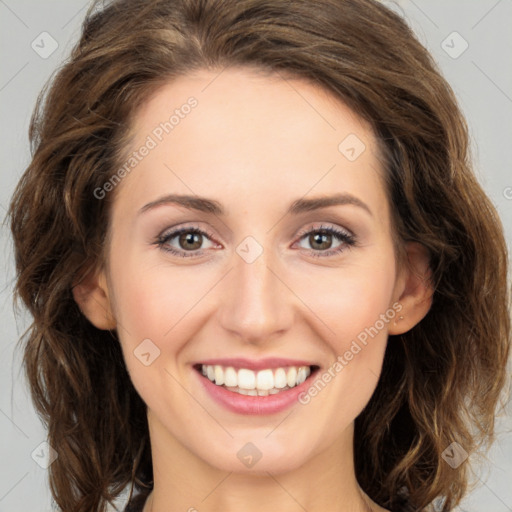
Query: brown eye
(321, 241)
(190, 241)
(185, 242)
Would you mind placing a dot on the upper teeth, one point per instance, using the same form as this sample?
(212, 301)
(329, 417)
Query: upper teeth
(263, 380)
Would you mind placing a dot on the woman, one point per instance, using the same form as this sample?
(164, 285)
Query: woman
(249, 242)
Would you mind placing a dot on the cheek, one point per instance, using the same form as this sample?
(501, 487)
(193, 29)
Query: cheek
(354, 309)
(151, 306)
(158, 309)
(160, 302)
(349, 301)
(151, 301)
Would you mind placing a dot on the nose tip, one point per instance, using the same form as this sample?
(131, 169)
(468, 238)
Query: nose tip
(254, 305)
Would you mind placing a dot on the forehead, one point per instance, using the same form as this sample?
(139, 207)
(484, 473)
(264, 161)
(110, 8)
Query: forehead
(253, 137)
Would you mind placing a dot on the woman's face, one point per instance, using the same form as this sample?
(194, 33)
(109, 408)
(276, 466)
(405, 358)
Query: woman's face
(263, 279)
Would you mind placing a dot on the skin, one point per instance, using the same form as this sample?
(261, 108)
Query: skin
(255, 143)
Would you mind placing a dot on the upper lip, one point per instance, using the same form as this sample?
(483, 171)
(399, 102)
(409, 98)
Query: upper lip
(253, 364)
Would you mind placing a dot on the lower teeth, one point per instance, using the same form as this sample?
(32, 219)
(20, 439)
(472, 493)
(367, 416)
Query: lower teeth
(255, 392)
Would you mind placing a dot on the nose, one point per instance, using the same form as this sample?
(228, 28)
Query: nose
(257, 305)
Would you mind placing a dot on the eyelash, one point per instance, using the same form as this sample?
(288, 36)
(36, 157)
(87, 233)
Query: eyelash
(348, 240)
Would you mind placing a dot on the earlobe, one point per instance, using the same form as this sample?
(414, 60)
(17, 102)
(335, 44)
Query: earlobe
(415, 292)
(92, 296)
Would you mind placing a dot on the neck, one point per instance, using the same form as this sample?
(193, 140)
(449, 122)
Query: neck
(184, 482)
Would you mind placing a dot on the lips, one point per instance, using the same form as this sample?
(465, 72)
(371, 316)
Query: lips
(255, 387)
(251, 364)
(262, 382)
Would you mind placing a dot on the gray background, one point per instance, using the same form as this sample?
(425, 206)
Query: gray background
(481, 77)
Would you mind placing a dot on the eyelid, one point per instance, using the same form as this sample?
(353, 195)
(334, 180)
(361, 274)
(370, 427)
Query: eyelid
(347, 238)
(172, 232)
(323, 227)
(178, 229)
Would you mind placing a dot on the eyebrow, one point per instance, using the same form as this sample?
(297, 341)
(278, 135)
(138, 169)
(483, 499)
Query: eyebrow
(302, 205)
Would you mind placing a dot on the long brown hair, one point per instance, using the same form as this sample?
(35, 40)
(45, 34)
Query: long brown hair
(441, 381)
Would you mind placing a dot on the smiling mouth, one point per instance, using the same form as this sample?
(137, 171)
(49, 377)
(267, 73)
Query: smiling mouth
(244, 381)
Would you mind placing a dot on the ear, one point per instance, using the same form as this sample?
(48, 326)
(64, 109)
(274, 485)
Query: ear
(92, 296)
(413, 289)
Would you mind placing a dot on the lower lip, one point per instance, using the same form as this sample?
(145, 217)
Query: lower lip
(245, 404)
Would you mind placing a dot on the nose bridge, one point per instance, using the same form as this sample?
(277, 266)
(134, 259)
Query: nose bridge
(255, 306)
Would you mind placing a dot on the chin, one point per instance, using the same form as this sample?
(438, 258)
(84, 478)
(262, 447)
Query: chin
(257, 456)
